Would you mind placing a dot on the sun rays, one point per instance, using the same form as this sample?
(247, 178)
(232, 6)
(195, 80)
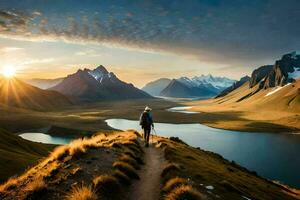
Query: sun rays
(8, 71)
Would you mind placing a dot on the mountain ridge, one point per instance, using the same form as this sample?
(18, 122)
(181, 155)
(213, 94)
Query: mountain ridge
(98, 84)
(16, 93)
(197, 86)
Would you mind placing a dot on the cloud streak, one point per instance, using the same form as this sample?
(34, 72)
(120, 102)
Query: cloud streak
(221, 31)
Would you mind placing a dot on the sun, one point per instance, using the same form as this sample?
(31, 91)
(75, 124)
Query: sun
(8, 71)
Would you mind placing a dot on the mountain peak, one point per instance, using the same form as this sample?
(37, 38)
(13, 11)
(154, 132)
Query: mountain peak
(102, 69)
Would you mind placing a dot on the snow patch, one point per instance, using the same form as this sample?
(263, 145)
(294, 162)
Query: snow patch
(295, 74)
(207, 81)
(276, 89)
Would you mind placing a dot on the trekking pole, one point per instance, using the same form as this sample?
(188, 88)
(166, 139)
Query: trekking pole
(154, 133)
(152, 136)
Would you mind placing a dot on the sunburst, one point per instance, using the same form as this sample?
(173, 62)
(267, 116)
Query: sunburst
(8, 71)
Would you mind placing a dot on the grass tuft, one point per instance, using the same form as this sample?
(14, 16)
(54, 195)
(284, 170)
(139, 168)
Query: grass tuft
(138, 159)
(126, 169)
(184, 192)
(170, 168)
(107, 187)
(174, 183)
(81, 193)
(60, 153)
(36, 189)
(128, 159)
(122, 177)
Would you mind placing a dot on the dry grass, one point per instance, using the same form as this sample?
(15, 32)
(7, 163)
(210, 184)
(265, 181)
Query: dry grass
(50, 173)
(59, 153)
(107, 187)
(126, 169)
(36, 189)
(207, 168)
(137, 158)
(174, 183)
(184, 192)
(122, 177)
(128, 159)
(81, 193)
(170, 169)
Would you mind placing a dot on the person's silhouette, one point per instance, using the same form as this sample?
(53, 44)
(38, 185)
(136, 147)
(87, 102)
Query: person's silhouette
(146, 121)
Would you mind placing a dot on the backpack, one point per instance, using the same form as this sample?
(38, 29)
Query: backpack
(145, 119)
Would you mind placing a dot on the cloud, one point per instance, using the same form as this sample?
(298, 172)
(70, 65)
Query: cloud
(10, 49)
(214, 31)
(37, 61)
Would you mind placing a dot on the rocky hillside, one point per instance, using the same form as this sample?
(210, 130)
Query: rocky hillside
(286, 70)
(270, 77)
(234, 86)
(14, 92)
(96, 85)
(116, 166)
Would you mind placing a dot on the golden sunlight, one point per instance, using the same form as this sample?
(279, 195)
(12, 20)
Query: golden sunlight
(8, 71)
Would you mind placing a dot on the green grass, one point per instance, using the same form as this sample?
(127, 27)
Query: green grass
(17, 154)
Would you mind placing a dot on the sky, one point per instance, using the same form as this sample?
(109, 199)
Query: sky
(144, 40)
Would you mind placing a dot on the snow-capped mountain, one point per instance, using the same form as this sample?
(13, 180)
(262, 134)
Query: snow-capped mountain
(97, 84)
(269, 84)
(285, 70)
(214, 83)
(197, 86)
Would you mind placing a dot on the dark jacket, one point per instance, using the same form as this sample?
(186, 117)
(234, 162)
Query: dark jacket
(146, 120)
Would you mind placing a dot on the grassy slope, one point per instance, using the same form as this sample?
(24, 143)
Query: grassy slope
(101, 159)
(278, 112)
(229, 180)
(16, 154)
(103, 156)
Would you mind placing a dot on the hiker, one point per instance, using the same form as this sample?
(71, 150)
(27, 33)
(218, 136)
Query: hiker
(146, 122)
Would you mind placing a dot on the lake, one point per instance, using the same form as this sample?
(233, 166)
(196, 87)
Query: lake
(273, 156)
(45, 138)
(182, 109)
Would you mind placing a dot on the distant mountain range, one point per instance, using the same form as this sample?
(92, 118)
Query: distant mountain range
(16, 93)
(198, 86)
(95, 85)
(44, 83)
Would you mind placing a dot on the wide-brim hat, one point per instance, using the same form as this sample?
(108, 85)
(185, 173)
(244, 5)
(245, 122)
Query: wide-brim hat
(148, 108)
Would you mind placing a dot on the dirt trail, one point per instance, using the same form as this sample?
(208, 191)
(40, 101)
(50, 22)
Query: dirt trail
(149, 185)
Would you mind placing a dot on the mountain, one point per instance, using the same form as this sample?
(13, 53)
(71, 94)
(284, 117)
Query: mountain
(219, 83)
(14, 92)
(258, 74)
(234, 86)
(155, 87)
(198, 86)
(16, 154)
(285, 71)
(44, 83)
(180, 89)
(267, 102)
(274, 89)
(95, 85)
